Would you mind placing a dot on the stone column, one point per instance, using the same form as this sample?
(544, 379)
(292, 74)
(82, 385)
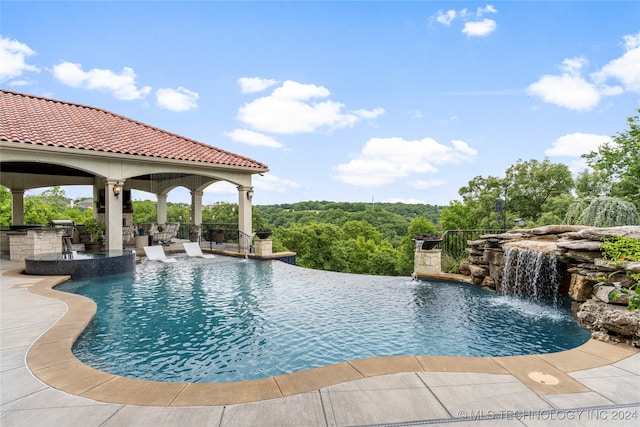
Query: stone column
(113, 215)
(245, 194)
(263, 247)
(162, 208)
(196, 207)
(428, 262)
(17, 207)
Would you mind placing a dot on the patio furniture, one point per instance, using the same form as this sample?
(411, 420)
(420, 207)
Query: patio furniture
(193, 250)
(169, 232)
(156, 253)
(127, 234)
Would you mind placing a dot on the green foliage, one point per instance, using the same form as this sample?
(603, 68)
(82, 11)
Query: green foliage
(532, 184)
(618, 248)
(632, 292)
(457, 216)
(451, 262)
(356, 247)
(603, 212)
(592, 183)
(575, 210)
(95, 229)
(390, 219)
(145, 211)
(619, 161)
(5, 206)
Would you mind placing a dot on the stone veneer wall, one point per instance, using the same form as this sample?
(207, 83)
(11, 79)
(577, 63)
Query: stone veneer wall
(34, 242)
(577, 249)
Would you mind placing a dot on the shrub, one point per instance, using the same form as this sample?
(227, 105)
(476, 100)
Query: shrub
(603, 212)
(618, 249)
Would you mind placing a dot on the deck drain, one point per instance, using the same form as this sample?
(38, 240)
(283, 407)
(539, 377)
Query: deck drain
(541, 378)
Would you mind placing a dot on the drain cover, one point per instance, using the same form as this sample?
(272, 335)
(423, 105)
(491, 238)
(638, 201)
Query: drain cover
(543, 378)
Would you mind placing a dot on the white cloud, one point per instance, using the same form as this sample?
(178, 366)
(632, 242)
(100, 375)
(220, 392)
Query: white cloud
(180, 99)
(121, 85)
(487, 9)
(385, 160)
(255, 84)
(12, 59)
(626, 68)
(272, 183)
(473, 25)
(290, 109)
(576, 144)
(253, 138)
(426, 185)
(479, 28)
(568, 91)
(447, 17)
(571, 90)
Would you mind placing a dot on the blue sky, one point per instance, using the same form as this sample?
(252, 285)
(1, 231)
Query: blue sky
(344, 101)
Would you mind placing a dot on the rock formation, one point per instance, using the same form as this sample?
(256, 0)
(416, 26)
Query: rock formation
(576, 249)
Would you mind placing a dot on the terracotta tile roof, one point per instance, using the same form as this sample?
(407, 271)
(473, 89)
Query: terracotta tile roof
(29, 119)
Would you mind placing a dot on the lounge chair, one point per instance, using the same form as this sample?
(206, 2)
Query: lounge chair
(156, 253)
(193, 249)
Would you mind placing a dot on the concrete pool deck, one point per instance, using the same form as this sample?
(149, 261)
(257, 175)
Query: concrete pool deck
(43, 384)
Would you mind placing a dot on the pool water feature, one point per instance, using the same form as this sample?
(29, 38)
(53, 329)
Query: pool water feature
(230, 319)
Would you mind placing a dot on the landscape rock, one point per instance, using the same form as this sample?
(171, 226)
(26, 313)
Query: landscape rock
(610, 323)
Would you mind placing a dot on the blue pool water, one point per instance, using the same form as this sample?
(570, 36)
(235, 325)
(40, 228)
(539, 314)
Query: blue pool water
(226, 319)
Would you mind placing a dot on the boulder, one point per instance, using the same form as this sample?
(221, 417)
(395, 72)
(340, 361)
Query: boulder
(602, 233)
(464, 269)
(580, 288)
(488, 282)
(610, 322)
(557, 229)
(478, 271)
(601, 293)
(579, 245)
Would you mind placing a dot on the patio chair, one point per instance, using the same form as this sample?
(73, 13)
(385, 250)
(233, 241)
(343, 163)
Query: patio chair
(170, 231)
(127, 234)
(193, 250)
(156, 253)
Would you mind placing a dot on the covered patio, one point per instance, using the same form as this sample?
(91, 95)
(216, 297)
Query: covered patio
(47, 142)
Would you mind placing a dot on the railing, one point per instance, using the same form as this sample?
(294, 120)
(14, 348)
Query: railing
(244, 242)
(229, 230)
(454, 242)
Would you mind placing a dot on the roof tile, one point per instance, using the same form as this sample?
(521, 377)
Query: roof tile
(30, 119)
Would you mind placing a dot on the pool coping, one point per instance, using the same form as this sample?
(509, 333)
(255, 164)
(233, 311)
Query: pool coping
(51, 360)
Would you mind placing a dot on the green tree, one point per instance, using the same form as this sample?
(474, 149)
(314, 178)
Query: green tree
(603, 212)
(592, 183)
(145, 211)
(620, 161)
(532, 183)
(457, 216)
(5, 206)
(480, 196)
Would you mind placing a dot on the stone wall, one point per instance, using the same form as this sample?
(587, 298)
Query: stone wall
(34, 242)
(580, 266)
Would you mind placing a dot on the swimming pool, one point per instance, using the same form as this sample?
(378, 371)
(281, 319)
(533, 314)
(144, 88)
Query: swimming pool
(227, 319)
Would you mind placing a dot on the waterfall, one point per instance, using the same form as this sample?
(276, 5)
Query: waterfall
(530, 274)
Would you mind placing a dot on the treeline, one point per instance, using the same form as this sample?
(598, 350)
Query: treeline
(390, 219)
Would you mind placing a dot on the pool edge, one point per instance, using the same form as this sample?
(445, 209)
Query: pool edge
(50, 359)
